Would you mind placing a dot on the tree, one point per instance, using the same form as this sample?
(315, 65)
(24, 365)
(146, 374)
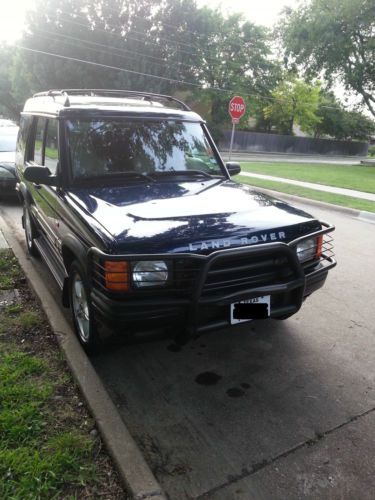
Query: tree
(357, 126)
(173, 40)
(8, 104)
(294, 102)
(335, 38)
(340, 123)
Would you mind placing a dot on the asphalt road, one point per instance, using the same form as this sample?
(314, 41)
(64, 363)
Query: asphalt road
(269, 410)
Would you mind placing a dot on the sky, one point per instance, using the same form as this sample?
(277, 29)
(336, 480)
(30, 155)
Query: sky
(258, 11)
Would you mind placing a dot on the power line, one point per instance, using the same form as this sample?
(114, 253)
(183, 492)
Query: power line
(130, 37)
(111, 47)
(170, 80)
(99, 51)
(175, 42)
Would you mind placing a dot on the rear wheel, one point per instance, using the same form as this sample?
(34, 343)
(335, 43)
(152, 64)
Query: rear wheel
(82, 313)
(30, 231)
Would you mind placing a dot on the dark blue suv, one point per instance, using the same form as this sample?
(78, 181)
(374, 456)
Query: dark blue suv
(128, 201)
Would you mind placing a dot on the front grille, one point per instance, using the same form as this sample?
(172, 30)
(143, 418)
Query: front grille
(221, 273)
(234, 274)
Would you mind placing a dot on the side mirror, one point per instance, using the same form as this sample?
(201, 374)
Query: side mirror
(233, 168)
(40, 175)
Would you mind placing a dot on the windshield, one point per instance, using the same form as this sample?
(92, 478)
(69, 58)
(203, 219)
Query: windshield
(108, 147)
(8, 139)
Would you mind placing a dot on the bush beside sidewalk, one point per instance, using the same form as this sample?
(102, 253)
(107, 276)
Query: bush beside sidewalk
(49, 444)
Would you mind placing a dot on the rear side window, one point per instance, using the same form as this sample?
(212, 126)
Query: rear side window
(44, 144)
(25, 124)
(38, 142)
(51, 157)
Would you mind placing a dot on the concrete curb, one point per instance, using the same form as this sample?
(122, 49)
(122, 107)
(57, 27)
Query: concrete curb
(352, 212)
(132, 467)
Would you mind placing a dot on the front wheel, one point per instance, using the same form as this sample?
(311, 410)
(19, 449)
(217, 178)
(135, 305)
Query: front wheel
(82, 313)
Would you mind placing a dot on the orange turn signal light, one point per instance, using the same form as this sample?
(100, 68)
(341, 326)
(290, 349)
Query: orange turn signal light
(116, 274)
(319, 246)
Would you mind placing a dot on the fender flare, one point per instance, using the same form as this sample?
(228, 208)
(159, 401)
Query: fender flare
(72, 249)
(24, 193)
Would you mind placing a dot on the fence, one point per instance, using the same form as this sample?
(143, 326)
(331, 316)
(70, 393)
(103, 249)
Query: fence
(252, 142)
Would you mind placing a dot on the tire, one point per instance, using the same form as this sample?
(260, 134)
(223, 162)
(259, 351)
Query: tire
(30, 232)
(82, 313)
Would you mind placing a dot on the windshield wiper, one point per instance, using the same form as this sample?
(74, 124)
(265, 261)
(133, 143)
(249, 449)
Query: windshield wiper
(184, 173)
(121, 175)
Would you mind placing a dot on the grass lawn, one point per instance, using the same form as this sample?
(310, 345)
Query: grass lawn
(336, 199)
(48, 448)
(357, 177)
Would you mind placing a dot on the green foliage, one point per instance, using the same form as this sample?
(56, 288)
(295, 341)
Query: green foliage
(206, 50)
(9, 270)
(312, 194)
(35, 458)
(371, 151)
(337, 37)
(337, 122)
(295, 102)
(20, 417)
(46, 451)
(8, 104)
(351, 177)
(29, 319)
(40, 474)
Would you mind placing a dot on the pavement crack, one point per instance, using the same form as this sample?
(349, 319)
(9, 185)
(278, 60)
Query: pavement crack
(256, 467)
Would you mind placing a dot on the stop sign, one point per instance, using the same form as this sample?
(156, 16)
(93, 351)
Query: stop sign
(237, 107)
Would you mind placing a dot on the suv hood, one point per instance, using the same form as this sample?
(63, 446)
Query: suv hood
(194, 217)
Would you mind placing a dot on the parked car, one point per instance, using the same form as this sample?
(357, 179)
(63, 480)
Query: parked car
(8, 139)
(128, 201)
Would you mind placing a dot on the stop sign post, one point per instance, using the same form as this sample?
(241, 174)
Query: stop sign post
(237, 109)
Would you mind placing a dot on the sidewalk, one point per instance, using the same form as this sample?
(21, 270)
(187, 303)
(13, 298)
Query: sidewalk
(317, 187)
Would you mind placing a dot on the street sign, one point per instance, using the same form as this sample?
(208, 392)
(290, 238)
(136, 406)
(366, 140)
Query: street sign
(237, 108)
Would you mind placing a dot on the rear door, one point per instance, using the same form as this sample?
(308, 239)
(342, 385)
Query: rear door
(43, 151)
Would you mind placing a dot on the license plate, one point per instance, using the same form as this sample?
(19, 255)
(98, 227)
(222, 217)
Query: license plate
(247, 310)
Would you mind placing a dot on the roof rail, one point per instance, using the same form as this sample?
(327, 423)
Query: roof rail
(147, 96)
(53, 93)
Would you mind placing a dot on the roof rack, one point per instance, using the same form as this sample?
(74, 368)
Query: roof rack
(147, 96)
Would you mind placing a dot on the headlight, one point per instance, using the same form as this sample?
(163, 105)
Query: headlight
(308, 249)
(147, 273)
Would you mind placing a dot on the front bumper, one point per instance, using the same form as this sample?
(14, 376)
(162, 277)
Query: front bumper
(203, 302)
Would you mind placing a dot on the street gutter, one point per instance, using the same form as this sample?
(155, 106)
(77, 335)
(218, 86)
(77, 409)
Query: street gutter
(131, 465)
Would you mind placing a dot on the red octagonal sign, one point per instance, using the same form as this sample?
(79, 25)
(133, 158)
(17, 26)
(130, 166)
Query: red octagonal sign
(237, 107)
